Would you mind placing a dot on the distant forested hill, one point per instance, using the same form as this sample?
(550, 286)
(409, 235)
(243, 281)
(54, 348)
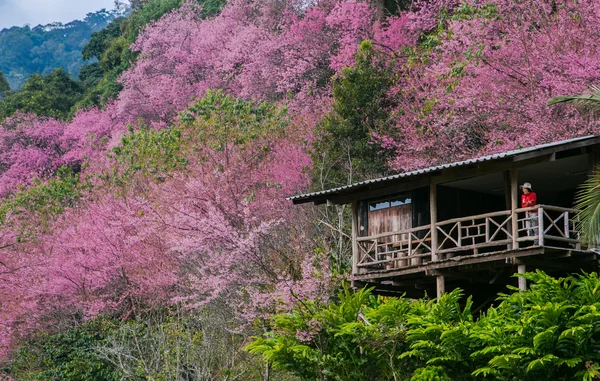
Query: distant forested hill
(25, 51)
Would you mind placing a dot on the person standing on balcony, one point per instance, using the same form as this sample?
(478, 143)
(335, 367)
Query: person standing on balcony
(529, 199)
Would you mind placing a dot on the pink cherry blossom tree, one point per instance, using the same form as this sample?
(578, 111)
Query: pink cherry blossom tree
(217, 231)
(483, 83)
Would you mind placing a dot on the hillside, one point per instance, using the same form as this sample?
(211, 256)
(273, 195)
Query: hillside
(41, 49)
(144, 226)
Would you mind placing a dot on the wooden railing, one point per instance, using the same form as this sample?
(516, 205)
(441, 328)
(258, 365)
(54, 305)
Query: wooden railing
(468, 236)
(396, 249)
(473, 233)
(545, 223)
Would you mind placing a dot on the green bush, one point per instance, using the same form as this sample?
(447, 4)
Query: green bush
(550, 332)
(54, 95)
(41, 202)
(67, 356)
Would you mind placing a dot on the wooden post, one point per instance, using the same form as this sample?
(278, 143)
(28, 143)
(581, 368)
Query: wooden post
(410, 251)
(521, 269)
(433, 218)
(440, 285)
(541, 226)
(355, 251)
(487, 230)
(566, 225)
(514, 204)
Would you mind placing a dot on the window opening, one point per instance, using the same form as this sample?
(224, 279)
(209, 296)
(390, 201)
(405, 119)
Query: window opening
(389, 203)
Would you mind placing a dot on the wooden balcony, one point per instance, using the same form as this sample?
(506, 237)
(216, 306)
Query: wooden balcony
(478, 253)
(469, 236)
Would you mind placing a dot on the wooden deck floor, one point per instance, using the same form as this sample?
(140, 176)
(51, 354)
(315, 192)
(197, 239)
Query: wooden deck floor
(480, 275)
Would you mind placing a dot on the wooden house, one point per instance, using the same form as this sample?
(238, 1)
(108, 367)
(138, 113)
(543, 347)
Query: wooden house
(461, 224)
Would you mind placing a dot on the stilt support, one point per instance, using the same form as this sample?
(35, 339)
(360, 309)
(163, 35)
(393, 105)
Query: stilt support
(440, 285)
(522, 281)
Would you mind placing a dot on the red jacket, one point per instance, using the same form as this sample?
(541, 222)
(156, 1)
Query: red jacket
(528, 200)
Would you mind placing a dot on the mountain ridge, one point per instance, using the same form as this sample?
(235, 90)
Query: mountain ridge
(25, 50)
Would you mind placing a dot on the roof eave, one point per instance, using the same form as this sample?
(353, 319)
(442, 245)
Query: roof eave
(330, 195)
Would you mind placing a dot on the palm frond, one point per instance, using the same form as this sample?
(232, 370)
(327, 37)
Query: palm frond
(590, 100)
(587, 202)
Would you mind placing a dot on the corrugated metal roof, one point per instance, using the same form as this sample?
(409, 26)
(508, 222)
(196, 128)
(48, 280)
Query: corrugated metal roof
(308, 196)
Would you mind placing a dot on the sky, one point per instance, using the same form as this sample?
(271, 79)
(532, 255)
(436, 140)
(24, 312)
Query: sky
(35, 12)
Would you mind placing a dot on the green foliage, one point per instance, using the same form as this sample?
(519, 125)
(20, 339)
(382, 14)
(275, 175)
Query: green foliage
(70, 355)
(360, 108)
(4, 85)
(394, 7)
(430, 373)
(468, 12)
(152, 10)
(356, 338)
(588, 103)
(53, 95)
(116, 55)
(103, 87)
(90, 75)
(212, 7)
(218, 121)
(592, 98)
(42, 202)
(587, 201)
(99, 40)
(550, 332)
(100, 79)
(147, 153)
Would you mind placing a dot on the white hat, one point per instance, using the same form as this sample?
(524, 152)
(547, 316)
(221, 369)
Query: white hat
(526, 185)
